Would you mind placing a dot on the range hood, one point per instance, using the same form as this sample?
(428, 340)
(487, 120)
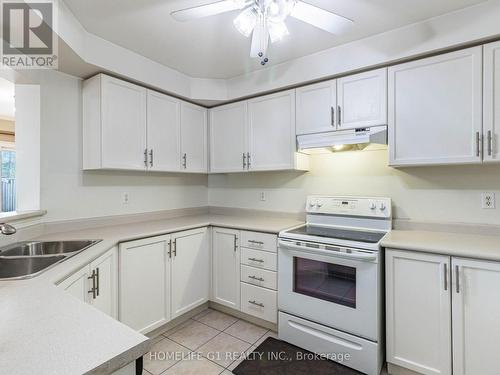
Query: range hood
(342, 140)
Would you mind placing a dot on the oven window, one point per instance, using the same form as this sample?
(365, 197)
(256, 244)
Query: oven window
(326, 281)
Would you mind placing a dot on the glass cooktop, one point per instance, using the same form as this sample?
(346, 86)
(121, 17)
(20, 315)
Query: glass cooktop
(338, 233)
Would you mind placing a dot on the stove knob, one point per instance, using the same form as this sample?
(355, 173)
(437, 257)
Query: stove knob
(382, 206)
(373, 206)
(319, 205)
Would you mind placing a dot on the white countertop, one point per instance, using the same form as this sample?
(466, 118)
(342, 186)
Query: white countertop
(456, 244)
(44, 330)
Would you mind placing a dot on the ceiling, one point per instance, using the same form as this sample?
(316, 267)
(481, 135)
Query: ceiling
(7, 103)
(212, 48)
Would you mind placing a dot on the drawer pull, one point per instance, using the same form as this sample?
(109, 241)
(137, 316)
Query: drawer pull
(256, 278)
(256, 303)
(256, 242)
(256, 260)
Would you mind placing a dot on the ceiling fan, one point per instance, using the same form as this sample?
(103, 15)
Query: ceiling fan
(265, 19)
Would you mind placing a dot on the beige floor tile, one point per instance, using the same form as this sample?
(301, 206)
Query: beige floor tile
(217, 320)
(223, 349)
(202, 313)
(235, 364)
(193, 335)
(263, 338)
(195, 366)
(176, 328)
(227, 372)
(246, 331)
(163, 355)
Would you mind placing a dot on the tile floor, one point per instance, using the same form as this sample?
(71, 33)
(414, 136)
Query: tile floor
(210, 343)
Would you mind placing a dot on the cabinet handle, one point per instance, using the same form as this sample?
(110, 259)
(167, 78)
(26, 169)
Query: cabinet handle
(478, 144)
(256, 260)
(333, 117)
(146, 157)
(248, 160)
(175, 247)
(256, 242)
(256, 278)
(339, 115)
(170, 248)
(151, 158)
(184, 161)
(457, 278)
(93, 290)
(490, 143)
(97, 282)
(235, 243)
(446, 276)
(244, 161)
(256, 303)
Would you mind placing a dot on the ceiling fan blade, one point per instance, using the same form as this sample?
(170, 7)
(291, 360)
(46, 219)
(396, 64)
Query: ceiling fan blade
(320, 18)
(208, 10)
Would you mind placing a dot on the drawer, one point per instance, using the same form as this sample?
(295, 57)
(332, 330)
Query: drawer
(259, 302)
(259, 277)
(259, 259)
(261, 241)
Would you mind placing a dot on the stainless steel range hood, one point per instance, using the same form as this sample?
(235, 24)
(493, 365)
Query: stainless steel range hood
(342, 140)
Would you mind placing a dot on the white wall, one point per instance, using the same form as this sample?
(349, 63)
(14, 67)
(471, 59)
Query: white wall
(441, 194)
(69, 193)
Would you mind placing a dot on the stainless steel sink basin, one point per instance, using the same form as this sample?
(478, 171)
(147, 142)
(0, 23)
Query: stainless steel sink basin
(23, 260)
(13, 268)
(41, 248)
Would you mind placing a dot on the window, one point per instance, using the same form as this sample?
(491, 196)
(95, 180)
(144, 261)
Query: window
(8, 179)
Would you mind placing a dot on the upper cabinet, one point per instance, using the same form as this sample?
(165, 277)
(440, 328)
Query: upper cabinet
(492, 101)
(362, 100)
(255, 135)
(193, 138)
(355, 101)
(435, 110)
(126, 126)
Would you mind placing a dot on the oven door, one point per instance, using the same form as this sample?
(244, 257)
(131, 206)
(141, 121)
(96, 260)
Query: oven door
(336, 287)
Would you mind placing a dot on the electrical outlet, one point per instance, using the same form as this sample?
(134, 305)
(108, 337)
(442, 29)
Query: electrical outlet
(488, 201)
(262, 196)
(125, 198)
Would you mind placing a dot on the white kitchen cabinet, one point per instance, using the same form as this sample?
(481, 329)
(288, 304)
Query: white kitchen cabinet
(226, 267)
(163, 133)
(228, 138)
(476, 312)
(271, 132)
(435, 110)
(145, 283)
(114, 118)
(492, 102)
(362, 100)
(418, 311)
(190, 270)
(193, 138)
(96, 283)
(316, 107)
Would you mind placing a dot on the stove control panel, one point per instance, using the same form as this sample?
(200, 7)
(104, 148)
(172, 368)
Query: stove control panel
(350, 206)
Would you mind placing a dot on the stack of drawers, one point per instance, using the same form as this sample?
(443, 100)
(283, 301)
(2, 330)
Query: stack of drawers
(259, 265)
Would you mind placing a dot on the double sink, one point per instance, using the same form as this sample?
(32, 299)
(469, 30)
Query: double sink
(23, 260)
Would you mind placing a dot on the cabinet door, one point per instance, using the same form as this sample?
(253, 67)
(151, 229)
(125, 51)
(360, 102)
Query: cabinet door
(418, 311)
(476, 312)
(78, 284)
(163, 132)
(492, 102)
(271, 132)
(228, 138)
(435, 110)
(190, 270)
(106, 274)
(144, 281)
(316, 108)
(193, 138)
(226, 267)
(362, 99)
(123, 124)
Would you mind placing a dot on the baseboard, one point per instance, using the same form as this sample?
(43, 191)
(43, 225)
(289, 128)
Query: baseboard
(241, 315)
(393, 369)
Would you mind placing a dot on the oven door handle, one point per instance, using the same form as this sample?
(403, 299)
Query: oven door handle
(353, 256)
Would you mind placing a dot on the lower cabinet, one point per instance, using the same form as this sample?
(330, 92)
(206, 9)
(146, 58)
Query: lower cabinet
(97, 283)
(163, 277)
(226, 267)
(442, 313)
